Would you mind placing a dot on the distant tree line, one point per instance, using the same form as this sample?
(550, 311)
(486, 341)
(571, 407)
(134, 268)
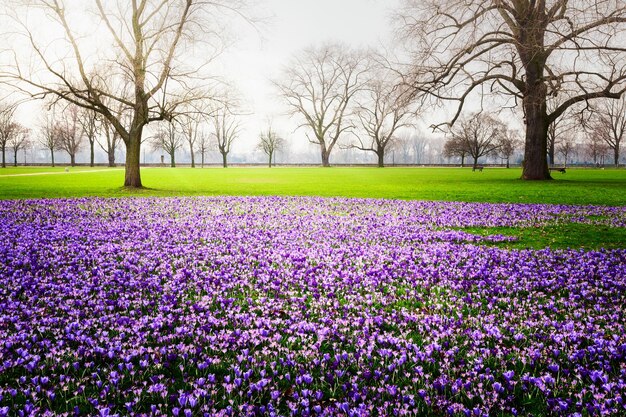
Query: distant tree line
(476, 137)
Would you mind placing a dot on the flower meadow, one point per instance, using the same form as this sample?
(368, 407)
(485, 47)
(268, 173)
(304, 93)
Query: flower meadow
(280, 306)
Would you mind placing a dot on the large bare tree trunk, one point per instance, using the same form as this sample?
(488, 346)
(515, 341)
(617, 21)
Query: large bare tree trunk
(270, 155)
(111, 159)
(4, 162)
(72, 159)
(15, 158)
(91, 155)
(325, 157)
(193, 160)
(616, 155)
(535, 109)
(224, 161)
(52, 157)
(132, 176)
(172, 160)
(535, 161)
(381, 158)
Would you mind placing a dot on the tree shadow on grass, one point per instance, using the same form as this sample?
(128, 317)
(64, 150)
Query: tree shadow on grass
(139, 191)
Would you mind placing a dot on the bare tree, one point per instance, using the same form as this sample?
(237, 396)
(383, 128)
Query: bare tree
(190, 126)
(319, 86)
(69, 132)
(608, 122)
(435, 151)
(49, 135)
(566, 148)
(270, 142)
(193, 117)
(454, 147)
(382, 109)
(168, 140)
(412, 146)
(403, 145)
(526, 50)
(203, 145)
(111, 141)
(225, 129)
(147, 37)
(560, 129)
(509, 141)
(418, 144)
(596, 148)
(9, 128)
(478, 135)
(90, 125)
(18, 141)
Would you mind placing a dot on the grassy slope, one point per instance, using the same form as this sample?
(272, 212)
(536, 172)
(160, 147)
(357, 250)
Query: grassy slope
(493, 185)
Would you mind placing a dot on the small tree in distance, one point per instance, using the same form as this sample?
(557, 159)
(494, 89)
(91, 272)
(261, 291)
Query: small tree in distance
(90, 125)
(567, 148)
(269, 143)
(319, 87)
(609, 125)
(596, 148)
(112, 139)
(168, 140)
(509, 143)
(562, 127)
(455, 147)
(190, 127)
(69, 132)
(418, 146)
(49, 135)
(478, 135)
(19, 141)
(225, 129)
(8, 128)
(382, 109)
(203, 145)
(193, 118)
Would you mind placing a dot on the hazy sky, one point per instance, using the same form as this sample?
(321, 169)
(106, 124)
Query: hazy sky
(253, 61)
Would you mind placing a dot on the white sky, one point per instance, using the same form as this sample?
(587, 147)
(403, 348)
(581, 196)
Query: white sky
(254, 61)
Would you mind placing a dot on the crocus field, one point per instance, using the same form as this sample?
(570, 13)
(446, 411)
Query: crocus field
(278, 306)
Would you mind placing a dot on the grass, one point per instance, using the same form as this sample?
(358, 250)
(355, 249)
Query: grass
(499, 185)
(562, 236)
(582, 186)
(15, 171)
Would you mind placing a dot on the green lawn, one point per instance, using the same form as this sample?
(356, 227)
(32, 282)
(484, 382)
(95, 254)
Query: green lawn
(582, 186)
(14, 171)
(562, 236)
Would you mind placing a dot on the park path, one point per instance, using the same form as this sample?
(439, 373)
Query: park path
(59, 172)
